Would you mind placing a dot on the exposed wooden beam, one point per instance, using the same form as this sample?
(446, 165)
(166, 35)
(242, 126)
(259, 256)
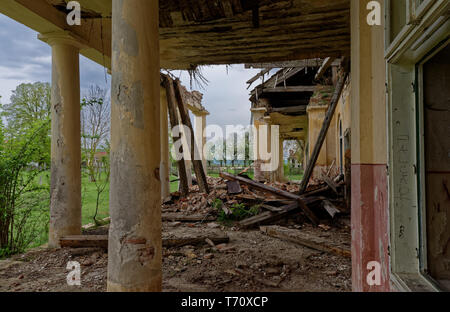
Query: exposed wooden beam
(198, 164)
(290, 110)
(305, 239)
(260, 74)
(280, 77)
(172, 108)
(299, 63)
(101, 241)
(290, 89)
(266, 188)
(325, 65)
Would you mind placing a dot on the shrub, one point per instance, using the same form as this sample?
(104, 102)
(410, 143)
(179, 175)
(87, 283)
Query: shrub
(24, 198)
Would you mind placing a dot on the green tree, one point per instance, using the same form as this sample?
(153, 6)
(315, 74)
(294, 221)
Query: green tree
(95, 125)
(23, 200)
(29, 102)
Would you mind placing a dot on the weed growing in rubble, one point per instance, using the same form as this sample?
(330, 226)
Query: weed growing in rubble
(236, 212)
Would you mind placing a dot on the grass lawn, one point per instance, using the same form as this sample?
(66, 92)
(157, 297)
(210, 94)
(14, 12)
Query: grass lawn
(89, 199)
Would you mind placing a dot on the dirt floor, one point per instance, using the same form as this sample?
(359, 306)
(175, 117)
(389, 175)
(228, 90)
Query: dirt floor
(250, 262)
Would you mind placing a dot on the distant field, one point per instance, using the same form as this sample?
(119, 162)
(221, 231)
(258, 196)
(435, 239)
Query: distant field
(89, 196)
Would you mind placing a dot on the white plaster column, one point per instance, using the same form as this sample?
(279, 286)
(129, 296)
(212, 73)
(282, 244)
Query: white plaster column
(200, 136)
(135, 246)
(65, 190)
(280, 177)
(258, 121)
(164, 169)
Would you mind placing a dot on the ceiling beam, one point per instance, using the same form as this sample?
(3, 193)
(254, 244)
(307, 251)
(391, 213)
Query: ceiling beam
(290, 110)
(300, 63)
(290, 89)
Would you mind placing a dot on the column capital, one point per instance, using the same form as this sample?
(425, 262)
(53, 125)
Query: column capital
(62, 37)
(201, 113)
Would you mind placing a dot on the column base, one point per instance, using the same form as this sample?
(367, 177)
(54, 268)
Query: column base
(370, 225)
(114, 287)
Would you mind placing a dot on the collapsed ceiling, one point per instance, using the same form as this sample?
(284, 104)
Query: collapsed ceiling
(197, 32)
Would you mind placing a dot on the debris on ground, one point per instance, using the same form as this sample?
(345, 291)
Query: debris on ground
(252, 237)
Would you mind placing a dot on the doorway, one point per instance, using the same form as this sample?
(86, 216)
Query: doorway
(436, 125)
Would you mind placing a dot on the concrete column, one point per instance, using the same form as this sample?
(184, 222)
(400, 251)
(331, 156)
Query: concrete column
(316, 116)
(65, 202)
(258, 120)
(370, 226)
(165, 162)
(280, 177)
(200, 135)
(135, 247)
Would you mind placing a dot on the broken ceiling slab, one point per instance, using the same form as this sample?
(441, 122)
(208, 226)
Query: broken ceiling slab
(202, 32)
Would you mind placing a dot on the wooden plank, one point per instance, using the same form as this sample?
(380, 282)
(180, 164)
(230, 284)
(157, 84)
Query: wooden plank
(290, 89)
(101, 241)
(275, 214)
(269, 216)
(194, 241)
(330, 208)
(233, 187)
(277, 192)
(290, 110)
(260, 74)
(305, 239)
(168, 83)
(84, 241)
(198, 164)
(317, 192)
(323, 133)
(330, 183)
(272, 208)
(325, 65)
(176, 217)
(278, 78)
(300, 63)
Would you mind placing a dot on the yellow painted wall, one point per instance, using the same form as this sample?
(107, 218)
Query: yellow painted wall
(316, 114)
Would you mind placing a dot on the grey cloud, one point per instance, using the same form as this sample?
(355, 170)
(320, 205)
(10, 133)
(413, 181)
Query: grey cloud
(24, 58)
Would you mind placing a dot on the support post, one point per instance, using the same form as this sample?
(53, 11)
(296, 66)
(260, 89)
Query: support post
(65, 201)
(135, 245)
(370, 223)
(174, 121)
(165, 165)
(198, 166)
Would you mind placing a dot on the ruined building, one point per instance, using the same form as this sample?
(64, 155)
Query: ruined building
(397, 92)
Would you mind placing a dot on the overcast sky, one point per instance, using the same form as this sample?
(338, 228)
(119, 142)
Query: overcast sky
(25, 59)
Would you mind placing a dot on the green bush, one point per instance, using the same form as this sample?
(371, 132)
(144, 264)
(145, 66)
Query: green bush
(24, 196)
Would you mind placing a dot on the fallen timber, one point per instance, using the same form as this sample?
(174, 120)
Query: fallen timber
(101, 241)
(305, 239)
(300, 200)
(274, 214)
